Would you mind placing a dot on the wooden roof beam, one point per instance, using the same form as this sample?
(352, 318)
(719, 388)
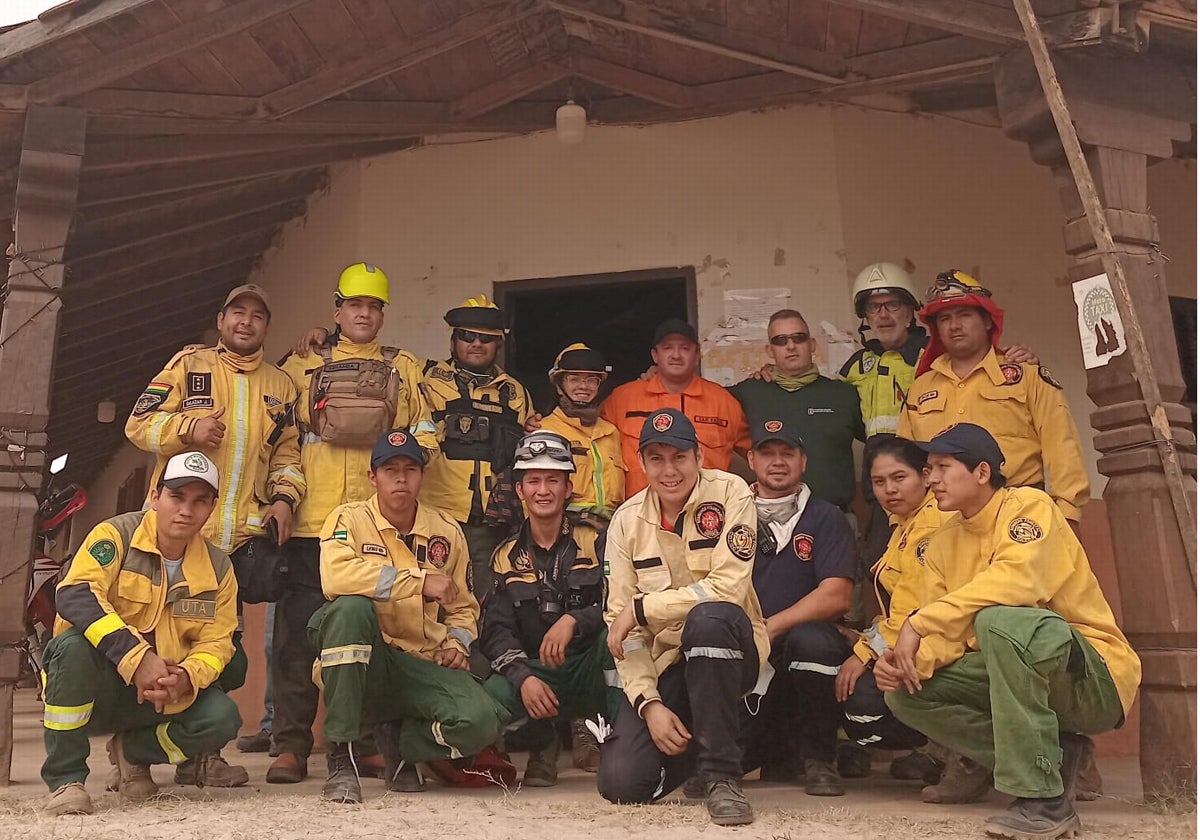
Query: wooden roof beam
(132, 280)
(965, 17)
(138, 56)
(132, 331)
(633, 82)
(60, 22)
(762, 52)
(379, 62)
(506, 89)
(153, 352)
(206, 285)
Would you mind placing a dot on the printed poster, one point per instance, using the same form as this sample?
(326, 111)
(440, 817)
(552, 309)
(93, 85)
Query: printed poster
(1101, 333)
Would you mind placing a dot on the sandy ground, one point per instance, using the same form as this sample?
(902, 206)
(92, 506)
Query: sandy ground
(876, 807)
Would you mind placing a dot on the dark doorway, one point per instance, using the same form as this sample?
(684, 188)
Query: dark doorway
(614, 313)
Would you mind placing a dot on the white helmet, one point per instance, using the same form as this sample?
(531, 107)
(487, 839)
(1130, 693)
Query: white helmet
(544, 450)
(883, 277)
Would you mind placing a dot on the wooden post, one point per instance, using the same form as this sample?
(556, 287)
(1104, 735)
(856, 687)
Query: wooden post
(47, 187)
(1095, 120)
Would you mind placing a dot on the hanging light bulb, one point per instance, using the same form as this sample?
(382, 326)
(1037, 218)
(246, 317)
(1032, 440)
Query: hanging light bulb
(106, 411)
(570, 120)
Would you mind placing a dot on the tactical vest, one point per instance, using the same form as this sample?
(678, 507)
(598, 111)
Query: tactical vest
(352, 402)
(478, 429)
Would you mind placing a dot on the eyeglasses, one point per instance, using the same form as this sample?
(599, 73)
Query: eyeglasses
(782, 340)
(874, 307)
(470, 337)
(954, 284)
(583, 378)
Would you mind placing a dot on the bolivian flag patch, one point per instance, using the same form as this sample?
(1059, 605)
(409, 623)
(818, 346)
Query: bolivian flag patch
(156, 394)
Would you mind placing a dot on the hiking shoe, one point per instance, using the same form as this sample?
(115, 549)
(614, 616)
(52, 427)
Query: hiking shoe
(288, 769)
(71, 798)
(727, 805)
(585, 751)
(962, 781)
(342, 784)
(133, 780)
(917, 766)
(260, 741)
(1035, 819)
(853, 761)
(541, 770)
(210, 770)
(820, 779)
(695, 788)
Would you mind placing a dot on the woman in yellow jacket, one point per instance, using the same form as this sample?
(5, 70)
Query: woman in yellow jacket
(897, 470)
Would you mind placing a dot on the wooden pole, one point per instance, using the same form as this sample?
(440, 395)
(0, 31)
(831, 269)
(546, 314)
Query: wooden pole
(47, 191)
(1164, 439)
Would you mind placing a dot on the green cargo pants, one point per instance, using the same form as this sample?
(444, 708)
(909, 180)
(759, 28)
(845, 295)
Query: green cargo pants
(441, 712)
(586, 684)
(1004, 705)
(86, 696)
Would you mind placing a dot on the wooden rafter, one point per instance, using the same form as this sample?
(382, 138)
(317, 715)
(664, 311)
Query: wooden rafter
(965, 17)
(90, 287)
(506, 89)
(60, 22)
(634, 82)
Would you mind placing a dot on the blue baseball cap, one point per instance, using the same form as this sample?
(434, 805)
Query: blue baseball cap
(967, 439)
(670, 426)
(775, 429)
(395, 443)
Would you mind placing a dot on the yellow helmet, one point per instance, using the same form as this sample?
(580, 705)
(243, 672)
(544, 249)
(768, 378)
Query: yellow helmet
(953, 284)
(363, 280)
(479, 315)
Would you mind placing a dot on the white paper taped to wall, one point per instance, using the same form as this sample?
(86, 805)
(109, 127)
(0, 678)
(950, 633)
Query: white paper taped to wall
(1101, 333)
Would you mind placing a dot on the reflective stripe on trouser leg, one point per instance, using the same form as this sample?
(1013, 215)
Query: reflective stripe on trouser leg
(207, 725)
(74, 679)
(346, 633)
(174, 754)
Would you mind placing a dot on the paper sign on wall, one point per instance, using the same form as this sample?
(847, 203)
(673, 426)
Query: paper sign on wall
(1101, 332)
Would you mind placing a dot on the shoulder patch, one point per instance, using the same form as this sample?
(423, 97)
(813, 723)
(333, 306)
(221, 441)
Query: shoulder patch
(710, 519)
(438, 551)
(523, 562)
(1012, 373)
(341, 535)
(921, 547)
(867, 364)
(103, 551)
(741, 540)
(1024, 530)
(1044, 372)
(156, 394)
(439, 372)
(803, 544)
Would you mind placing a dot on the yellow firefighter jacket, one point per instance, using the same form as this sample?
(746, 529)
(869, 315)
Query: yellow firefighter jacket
(259, 457)
(1024, 409)
(882, 378)
(337, 474)
(900, 579)
(478, 425)
(1018, 551)
(663, 574)
(362, 554)
(115, 592)
(599, 478)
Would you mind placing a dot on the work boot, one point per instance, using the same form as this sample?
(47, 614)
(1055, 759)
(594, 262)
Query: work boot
(210, 770)
(401, 776)
(71, 798)
(695, 788)
(288, 769)
(260, 741)
(541, 770)
(920, 765)
(133, 782)
(727, 805)
(820, 779)
(1035, 819)
(853, 760)
(962, 781)
(342, 785)
(585, 752)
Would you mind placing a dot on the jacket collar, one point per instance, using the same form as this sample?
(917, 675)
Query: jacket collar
(910, 351)
(695, 388)
(989, 364)
(197, 565)
(422, 525)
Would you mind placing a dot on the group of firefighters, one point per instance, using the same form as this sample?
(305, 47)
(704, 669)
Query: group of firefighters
(455, 573)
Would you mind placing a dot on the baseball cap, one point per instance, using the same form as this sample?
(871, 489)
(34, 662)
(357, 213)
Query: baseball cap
(669, 426)
(187, 467)
(674, 326)
(251, 289)
(967, 439)
(394, 443)
(775, 429)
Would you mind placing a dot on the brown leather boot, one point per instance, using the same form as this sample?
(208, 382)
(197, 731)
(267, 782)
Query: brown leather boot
(962, 781)
(210, 770)
(585, 752)
(288, 769)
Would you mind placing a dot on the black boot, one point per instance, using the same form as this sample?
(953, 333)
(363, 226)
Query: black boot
(1052, 817)
(727, 805)
(342, 785)
(400, 776)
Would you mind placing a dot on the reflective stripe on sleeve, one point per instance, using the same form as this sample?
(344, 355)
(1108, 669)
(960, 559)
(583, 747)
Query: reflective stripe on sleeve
(66, 718)
(701, 592)
(612, 679)
(209, 660)
(815, 667)
(102, 626)
(633, 643)
(463, 635)
(713, 653)
(174, 754)
(156, 427)
(345, 655)
(383, 586)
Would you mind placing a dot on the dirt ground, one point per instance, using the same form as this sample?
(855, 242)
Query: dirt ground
(877, 807)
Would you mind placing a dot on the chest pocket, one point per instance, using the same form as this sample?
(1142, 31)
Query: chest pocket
(1005, 411)
(652, 575)
(932, 401)
(134, 588)
(711, 434)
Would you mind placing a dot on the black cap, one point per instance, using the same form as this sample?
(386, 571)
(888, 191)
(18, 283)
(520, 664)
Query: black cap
(673, 326)
(478, 318)
(775, 429)
(394, 443)
(967, 439)
(670, 426)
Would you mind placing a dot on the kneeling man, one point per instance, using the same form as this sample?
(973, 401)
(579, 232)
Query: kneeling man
(684, 626)
(146, 615)
(395, 635)
(1042, 664)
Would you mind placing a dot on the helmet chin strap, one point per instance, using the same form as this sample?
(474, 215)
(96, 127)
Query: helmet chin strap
(585, 411)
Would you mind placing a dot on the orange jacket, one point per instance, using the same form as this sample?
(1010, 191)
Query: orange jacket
(720, 423)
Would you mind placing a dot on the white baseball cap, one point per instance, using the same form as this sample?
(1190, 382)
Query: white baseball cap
(187, 467)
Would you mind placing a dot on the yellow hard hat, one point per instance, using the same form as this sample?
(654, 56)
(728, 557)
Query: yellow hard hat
(363, 280)
(478, 314)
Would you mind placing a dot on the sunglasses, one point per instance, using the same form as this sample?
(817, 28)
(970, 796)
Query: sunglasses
(470, 337)
(874, 307)
(782, 340)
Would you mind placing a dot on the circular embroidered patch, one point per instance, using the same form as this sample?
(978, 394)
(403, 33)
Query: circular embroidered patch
(773, 426)
(1024, 530)
(1012, 373)
(397, 438)
(741, 541)
(662, 422)
(710, 520)
(803, 544)
(921, 546)
(103, 551)
(438, 551)
(196, 463)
